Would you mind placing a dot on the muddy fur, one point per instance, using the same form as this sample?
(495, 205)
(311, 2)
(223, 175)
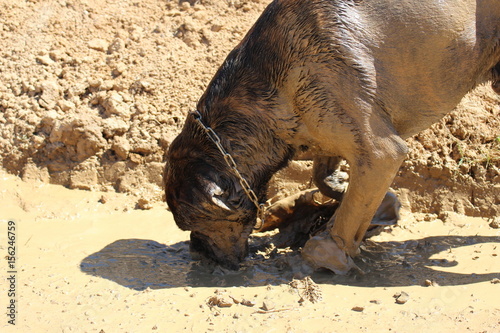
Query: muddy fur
(343, 79)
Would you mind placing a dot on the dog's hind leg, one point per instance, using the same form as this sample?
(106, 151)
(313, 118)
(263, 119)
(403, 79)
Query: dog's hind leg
(326, 176)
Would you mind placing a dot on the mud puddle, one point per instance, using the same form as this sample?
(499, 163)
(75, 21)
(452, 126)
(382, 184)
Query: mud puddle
(140, 264)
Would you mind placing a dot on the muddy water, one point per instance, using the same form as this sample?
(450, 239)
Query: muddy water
(140, 264)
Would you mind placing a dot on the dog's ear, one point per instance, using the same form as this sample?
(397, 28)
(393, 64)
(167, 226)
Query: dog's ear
(217, 195)
(224, 193)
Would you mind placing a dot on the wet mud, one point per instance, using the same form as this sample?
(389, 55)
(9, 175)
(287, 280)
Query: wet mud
(93, 265)
(141, 264)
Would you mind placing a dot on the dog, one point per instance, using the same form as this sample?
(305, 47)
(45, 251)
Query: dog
(342, 79)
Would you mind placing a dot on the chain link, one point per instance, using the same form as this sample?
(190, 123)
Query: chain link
(232, 165)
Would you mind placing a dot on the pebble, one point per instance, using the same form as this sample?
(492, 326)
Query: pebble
(103, 199)
(247, 302)
(401, 297)
(495, 224)
(429, 283)
(268, 306)
(358, 308)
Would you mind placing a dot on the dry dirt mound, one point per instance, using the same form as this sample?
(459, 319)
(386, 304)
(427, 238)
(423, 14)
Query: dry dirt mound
(93, 92)
(454, 165)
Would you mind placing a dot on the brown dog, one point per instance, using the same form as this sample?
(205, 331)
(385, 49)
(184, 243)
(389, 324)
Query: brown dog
(345, 79)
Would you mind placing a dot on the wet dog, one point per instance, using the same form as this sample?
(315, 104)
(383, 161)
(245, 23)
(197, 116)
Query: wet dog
(344, 79)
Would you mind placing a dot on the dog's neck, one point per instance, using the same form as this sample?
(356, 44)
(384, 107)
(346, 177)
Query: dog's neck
(248, 135)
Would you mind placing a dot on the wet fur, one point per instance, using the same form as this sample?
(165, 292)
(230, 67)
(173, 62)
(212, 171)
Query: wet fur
(340, 78)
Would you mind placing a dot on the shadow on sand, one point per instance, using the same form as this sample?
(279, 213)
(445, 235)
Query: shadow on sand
(139, 264)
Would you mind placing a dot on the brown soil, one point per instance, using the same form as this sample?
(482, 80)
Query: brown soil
(91, 95)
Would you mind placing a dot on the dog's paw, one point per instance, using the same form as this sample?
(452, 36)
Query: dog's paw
(322, 252)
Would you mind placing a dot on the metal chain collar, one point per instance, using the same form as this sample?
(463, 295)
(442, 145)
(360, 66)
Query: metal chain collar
(232, 165)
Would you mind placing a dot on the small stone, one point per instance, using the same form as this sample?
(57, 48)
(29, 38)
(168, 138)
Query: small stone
(495, 281)
(103, 199)
(358, 308)
(58, 55)
(247, 302)
(95, 83)
(401, 297)
(375, 301)
(428, 283)
(268, 306)
(107, 85)
(140, 86)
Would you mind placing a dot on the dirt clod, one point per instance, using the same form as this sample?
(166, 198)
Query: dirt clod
(495, 224)
(220, 301)
(144, 204)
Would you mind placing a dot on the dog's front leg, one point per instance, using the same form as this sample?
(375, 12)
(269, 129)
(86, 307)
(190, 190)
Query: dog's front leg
(371, 174)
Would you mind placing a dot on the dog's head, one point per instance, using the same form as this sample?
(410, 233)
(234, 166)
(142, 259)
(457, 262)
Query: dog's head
(206, 198)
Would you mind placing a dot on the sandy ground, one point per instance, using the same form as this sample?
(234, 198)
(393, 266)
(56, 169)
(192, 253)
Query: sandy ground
(64, 237)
